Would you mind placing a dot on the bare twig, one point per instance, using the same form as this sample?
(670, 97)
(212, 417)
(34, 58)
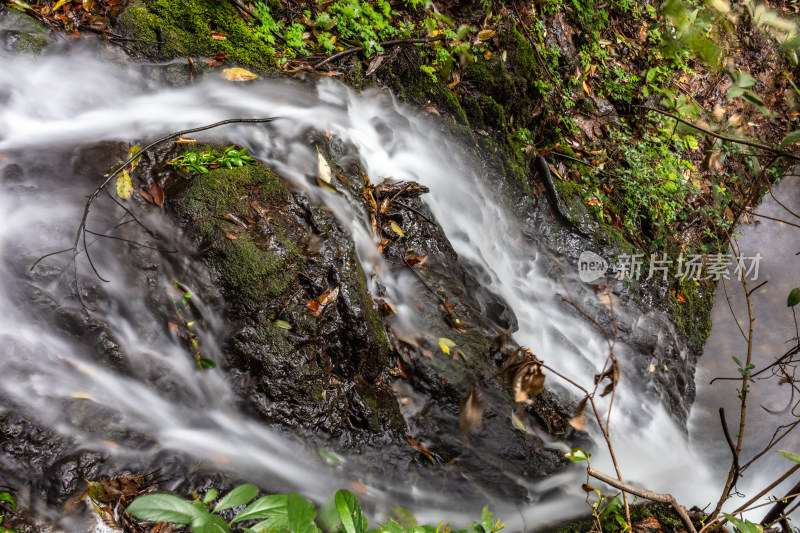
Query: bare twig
(81, 233)
(729, 440)
(646, 494)
(773, 218)
(745, 142)
(384, 44)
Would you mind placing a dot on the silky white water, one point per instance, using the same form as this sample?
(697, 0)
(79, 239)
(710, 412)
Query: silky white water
(66, 98)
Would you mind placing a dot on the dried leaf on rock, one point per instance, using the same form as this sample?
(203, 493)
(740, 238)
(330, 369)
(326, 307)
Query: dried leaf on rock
(397, 229)
(327, 186)
(421, 448)
(124, 185)
(157, 193)
(146, 195)
(485, 34)
(416, 260)
(374, 65)
(470, 413)
(185, 140)
(323, 168)
(329, 296)
(238, 74)
(219, 36)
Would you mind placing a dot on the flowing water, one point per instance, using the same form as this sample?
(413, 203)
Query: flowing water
(49, 105)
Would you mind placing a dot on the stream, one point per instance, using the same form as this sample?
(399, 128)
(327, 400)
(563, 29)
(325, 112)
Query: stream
(53, 106)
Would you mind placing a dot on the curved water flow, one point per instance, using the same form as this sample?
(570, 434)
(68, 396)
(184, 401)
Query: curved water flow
(53, 103)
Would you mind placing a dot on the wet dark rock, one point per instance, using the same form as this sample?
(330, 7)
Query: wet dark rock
(12, 173)
(67, 476)
(20, 34)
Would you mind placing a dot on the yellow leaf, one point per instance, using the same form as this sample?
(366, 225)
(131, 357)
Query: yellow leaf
(124, 185)
(82, 395)
(485, 34)
(397, 229)
(487, 55)
(586, 88)
(327, 186)
(445, 344)
(238, 74)
(60, 3)
(135, 149)
(323, 168)
(517, 423)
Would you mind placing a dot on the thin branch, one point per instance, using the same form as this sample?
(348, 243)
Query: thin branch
(730, 306)
(753, 213)
(646, 494)
(345, 53)
(81, 233)
(729, 440)
(768, 148)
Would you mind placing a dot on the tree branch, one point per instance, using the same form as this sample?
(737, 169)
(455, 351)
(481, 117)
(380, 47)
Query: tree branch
(768, 148)
(345, 53)
(646, 494)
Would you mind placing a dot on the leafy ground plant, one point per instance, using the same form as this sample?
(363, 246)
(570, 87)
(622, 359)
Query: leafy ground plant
(202, 161)
(8, 504)
(276, 513)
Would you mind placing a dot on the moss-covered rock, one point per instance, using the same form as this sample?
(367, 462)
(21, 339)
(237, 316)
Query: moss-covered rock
(183, 28)
(320, 373)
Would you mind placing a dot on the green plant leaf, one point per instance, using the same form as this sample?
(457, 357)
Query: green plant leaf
(238, 496)
(735, 91)
(207, 364)
(211, 495)
(794, 297)
(300, 514)
(577, 455)
(163, 508)
(266, 507)
(790, 455)
(210, 523)
(350, 513)
(791, 138)
(392, 527)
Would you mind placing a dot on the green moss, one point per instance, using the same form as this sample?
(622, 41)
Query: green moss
(251, 270)
(183, 28)
(522, 58)
(693, 315)
(251, 273)
(493, 113)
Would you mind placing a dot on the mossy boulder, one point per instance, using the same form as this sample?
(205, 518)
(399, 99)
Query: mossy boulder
(322, 374)
(169, 29)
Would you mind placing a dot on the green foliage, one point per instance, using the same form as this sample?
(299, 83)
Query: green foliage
(577, 455)
(278, 513)
(652, 186)
(202, 161)
(744, 526)
(794, 457)
(794, 297)
(7, 504)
